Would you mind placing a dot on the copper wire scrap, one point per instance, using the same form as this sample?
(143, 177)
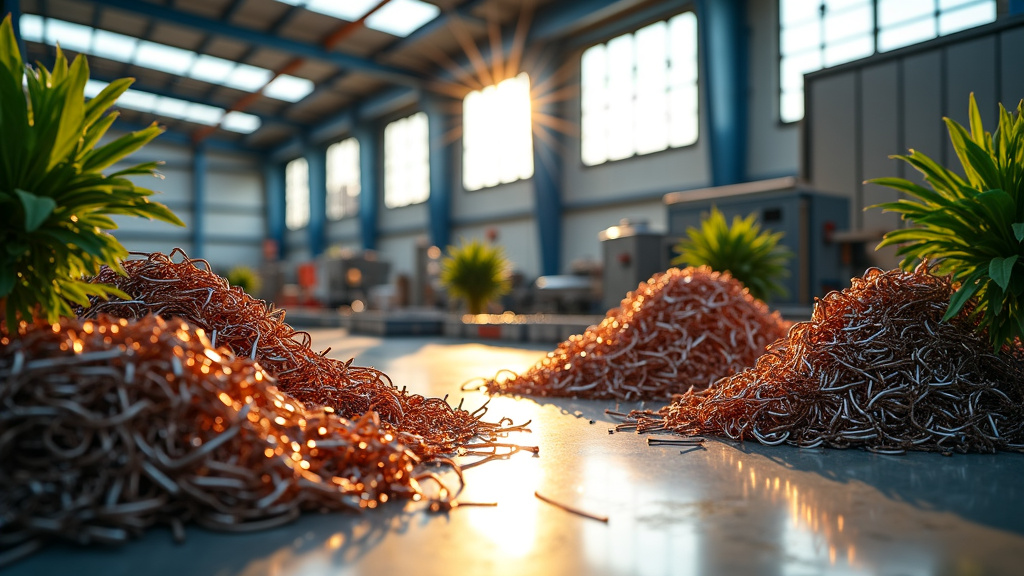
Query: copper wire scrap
(249, 327)
(876, 368)
(682, 328)
(111, 426)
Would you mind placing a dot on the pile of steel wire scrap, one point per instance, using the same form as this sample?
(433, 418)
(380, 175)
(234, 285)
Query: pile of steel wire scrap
(248, 327)
(682, 328)
(874, 368)
(109, 426)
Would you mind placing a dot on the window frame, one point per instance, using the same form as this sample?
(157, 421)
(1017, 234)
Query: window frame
(291, 196)
(665, 18)
(876, 30)
(385, 164)
(350, 203)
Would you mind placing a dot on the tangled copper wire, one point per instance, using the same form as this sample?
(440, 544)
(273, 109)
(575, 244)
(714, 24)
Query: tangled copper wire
(110, 426)
(875, 368)
(247, 326)
(682, 328)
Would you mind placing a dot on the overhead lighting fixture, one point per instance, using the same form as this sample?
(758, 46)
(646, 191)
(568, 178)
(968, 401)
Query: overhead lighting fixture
(180, 109)
(177, 61)
(397, 17)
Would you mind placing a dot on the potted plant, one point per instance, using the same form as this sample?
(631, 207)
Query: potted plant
(477, 273)
(742, 249)
(971, 227)
(245, 278)
(55, 200)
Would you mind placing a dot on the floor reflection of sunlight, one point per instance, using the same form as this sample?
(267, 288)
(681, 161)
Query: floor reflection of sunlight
(512, 525)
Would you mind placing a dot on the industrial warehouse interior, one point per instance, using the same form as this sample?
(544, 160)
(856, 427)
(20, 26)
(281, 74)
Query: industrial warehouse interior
(512, 287)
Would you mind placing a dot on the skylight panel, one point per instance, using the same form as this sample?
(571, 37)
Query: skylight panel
(114, 46)
(31, 27)
(176, 108)
(136, 100)
(288, 88)
(211, 69)
(70, 36)
(248, 78)
(177, 61)
(240, 122)
(350, 10)
(172, 107)
(402, 17)
(204, 114)
(164, 58)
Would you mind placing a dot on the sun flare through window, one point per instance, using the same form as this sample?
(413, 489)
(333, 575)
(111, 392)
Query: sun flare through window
(497, 143)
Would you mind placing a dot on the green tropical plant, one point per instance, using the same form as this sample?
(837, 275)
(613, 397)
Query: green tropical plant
(55, 201)
(476, 272)
(245, 278)
(971, 227)
(749, 254)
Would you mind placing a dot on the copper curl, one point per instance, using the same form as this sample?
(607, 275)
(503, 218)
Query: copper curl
(682, 329)
(249, 327)
(110, 426)
(875, 368)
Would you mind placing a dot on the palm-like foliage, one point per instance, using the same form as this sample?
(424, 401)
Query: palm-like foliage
(476, 272)
(749, 254)
(971, 227)
(55, 201)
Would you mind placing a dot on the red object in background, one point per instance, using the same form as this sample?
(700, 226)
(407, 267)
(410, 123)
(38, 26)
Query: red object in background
(489, 331)
(307, 275)
(625, 259)
(492, 234)
(307, 282)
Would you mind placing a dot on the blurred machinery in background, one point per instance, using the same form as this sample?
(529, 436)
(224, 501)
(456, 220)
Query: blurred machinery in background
(344, 278)
(809, 219)
(632, 253)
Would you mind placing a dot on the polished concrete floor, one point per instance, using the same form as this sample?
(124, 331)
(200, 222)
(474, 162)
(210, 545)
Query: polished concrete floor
(726, 509)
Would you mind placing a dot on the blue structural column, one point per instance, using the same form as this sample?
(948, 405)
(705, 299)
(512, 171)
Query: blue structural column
(13, 7)
(369, 189)
(1016, 7)
(439, 201)
(273, 183)
(547, 179)
(723, 54)
(316, 160)
(199, 201)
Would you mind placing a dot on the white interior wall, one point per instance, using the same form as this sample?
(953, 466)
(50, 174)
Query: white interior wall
(772, 147)
(518, 238)
(580, 229)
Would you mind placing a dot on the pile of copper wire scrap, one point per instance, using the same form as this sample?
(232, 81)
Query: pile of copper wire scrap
(110, 426)
(875, 368)
(682, 328)
(248, 327)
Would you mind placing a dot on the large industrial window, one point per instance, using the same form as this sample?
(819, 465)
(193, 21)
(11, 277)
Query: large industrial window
(343, 179)
(497, 144)
(639, 92)
(816, 34)
(406, 161)
(296, 194)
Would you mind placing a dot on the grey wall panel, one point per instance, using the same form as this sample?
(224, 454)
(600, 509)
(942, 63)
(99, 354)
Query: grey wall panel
(224, 257)
(1011, 75)
(970, 67)
(833, 134)
(879, 113)
(772, 146)
(922, 107)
